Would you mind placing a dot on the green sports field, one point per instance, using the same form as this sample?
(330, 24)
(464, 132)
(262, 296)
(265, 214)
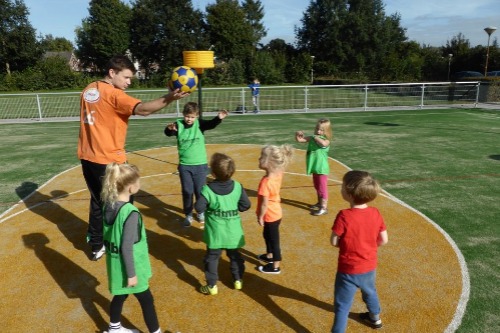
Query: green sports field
(444, 163)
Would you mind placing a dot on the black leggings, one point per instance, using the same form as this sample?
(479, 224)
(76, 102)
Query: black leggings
(147, 305)
(271, 235)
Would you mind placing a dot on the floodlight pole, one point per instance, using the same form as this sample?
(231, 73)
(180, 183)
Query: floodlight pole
(449, 64)
(312, 69)
(489, 31)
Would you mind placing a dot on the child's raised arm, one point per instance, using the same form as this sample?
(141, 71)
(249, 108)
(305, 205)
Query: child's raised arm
(172, 127)
(222, 114)
(300, 137)
(321, 142)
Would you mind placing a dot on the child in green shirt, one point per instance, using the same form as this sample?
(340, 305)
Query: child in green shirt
(222, 200)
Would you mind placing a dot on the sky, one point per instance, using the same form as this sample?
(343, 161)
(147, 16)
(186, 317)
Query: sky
(429, 22)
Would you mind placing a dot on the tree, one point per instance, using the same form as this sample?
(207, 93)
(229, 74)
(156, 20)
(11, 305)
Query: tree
(350, 36)
(104, 33)
(254, 13)
(321, 32)
(161, 30)
(55, 44)
(230, 31)
(18, 45)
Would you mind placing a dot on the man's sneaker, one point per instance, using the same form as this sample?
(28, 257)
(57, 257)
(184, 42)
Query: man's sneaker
(96, 255)
(373, 323)
(238, 284)
(321, 211)
(207, 290)
(264, 258)
(122, 330)
(269, 269)
(187, 221)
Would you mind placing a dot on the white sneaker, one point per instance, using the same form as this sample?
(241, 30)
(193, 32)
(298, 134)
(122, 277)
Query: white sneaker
(98, 254)
(187, 221)
(201, 217)
(122, 330)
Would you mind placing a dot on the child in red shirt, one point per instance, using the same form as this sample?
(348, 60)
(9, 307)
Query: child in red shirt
(358, 232)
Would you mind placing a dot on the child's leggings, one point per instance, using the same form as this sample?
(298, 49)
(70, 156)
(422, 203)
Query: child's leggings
(321, 185)
(271, 235)
(146, 301)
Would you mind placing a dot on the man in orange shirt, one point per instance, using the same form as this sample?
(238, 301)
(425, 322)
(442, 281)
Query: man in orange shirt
(104, 112)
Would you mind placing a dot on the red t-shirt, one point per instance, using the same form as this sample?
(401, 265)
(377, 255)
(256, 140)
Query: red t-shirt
(358, 230)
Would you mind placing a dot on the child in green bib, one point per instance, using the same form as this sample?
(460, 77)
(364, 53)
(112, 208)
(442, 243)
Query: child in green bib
(318, 146)
(127, 256)
(193, 168)
(222, 200)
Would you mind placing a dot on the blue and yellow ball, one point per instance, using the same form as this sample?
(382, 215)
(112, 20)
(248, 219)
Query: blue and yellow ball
(183, 78)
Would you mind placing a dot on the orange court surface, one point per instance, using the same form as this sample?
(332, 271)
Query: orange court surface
(49, 285)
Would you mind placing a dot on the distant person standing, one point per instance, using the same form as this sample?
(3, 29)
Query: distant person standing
(255, 89)
(105, 109)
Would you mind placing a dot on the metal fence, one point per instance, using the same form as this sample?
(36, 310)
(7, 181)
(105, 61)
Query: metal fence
(43, 106)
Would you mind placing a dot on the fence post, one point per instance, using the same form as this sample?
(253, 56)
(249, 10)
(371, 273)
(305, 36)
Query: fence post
(306, 92)
(366, 97)
(477, 95)
(422, 96)
(39, 105)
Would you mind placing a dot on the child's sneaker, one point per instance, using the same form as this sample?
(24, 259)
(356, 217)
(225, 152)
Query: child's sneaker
(238, 284)
(201, 217)
(315, 206)
(269, 269)
(187, 221)
(321, 211)
(96, 255)
(263, 257)
(121, 330)
(373, 323)
(207, 290)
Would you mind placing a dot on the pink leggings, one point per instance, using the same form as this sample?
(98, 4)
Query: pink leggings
(321, 185)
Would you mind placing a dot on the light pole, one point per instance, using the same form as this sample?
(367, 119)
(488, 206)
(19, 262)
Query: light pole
(312, 69)
(449, 64)
(489, 31)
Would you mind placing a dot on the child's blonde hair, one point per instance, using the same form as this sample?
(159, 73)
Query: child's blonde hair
(222, 166)
(276, 157)
(325, 125)
(116, 178)
(191, 108)
(360, 186)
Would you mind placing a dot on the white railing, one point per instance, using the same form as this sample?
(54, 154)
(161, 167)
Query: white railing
(42, 106)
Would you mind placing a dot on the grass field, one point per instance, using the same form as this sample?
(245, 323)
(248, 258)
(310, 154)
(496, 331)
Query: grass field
(444, 163)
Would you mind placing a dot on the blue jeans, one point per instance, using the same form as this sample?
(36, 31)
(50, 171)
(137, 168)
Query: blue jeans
(346, 286)
(193, 177)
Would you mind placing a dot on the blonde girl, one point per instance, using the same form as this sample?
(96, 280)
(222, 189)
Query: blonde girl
(317, 162)
(273, 160)
(127, 257)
